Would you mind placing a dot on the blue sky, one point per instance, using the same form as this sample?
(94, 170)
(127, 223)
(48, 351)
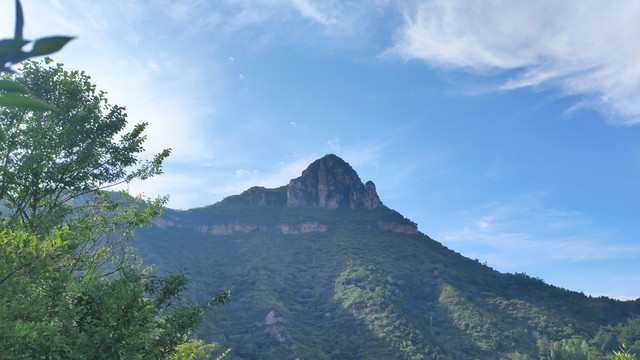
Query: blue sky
(508, 130)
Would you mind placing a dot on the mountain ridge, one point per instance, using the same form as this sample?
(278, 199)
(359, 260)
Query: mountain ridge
(323, 277)
(327, 183)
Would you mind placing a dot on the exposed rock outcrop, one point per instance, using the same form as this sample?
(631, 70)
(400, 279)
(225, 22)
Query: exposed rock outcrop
(331, 183)
(273, 326)
(230, 228)
(371, 199)
(305, 227)
(214, 229)
(407, 228)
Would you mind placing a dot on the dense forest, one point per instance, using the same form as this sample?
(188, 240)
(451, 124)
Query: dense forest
(350, 289)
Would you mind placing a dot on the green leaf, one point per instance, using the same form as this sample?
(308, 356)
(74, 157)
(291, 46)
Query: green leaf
(19, 21)
(25, 102)
(9, 48)
(49, 45)
(12, 86)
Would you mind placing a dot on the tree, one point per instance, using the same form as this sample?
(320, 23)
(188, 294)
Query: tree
(623, 354)
(68, 288)
(48, 310)
(50, 157)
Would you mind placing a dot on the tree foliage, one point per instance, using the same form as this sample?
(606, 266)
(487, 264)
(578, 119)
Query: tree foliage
(50, 157)
(623, 354)
(68, 287)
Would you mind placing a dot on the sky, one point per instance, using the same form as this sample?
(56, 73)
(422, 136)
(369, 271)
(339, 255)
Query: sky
(509, 131)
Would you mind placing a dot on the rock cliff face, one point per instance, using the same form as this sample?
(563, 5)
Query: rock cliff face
(331, 183)
(407, 228)
(237, 227)
(328, 183)
(371, 199)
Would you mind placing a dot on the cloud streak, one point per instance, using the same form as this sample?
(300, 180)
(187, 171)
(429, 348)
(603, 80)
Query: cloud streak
(308, 9)
(588, 48)
(521, 231)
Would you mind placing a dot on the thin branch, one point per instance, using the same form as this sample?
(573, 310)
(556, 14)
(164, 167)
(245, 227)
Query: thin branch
(13, 272)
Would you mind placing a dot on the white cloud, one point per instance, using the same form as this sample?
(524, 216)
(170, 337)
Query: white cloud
(362, 154)
(151, 88)
(57, 4)
(196, 185)
(510, 234)
(181, 10)
(484, 222)
(585, 47)
(620, 297)
(346, 23)
(244, 178)
(359, 155)
(154, 66)
(245, 172)
(334, 144)
(308, 9)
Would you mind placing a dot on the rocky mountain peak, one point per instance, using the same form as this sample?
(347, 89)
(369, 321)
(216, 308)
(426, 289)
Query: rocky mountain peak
(331, 183)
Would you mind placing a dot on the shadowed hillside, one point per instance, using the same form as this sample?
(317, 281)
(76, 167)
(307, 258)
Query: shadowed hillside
(321, 269)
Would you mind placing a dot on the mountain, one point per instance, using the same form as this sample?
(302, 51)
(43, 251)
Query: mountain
(322, 269)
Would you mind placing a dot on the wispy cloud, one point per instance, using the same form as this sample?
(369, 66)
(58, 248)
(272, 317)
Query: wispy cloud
(587, 47)
(57, 4)
(334, 144)
(218, 181)
(358, 155)
(308, 9)
(221, 178)
(243, 179)
(513, 233)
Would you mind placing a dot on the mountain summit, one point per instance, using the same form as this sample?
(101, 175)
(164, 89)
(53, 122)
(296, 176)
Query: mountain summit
(321, 269)
(327, 184)
(331, 183)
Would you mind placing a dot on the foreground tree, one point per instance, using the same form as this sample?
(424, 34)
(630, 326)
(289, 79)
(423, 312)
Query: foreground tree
(48, 158)
(623, 354)
(68, 288)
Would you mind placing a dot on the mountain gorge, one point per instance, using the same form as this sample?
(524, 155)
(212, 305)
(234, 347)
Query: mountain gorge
(322, 269)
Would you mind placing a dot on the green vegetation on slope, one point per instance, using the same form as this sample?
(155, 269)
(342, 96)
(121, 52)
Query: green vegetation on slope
(357, 292)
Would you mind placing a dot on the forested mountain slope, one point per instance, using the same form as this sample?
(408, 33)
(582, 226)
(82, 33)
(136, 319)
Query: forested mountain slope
(321, 269)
